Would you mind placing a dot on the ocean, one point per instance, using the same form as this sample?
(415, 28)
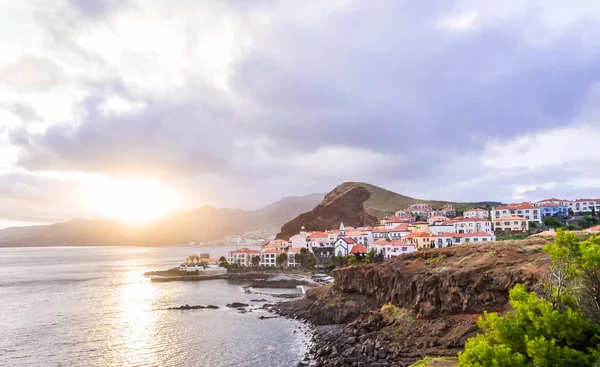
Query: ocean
(92, 306)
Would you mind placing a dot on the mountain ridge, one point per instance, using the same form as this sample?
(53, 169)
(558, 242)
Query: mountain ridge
(205, 223)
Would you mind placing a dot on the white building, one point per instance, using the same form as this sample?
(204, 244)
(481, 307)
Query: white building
(552, 201)
(299, 240)
(523, 210)
(343, 246)
(459, 238)
(444, 227)
(472, 225)
(269, 258)
(242, 257)
(584, 205)
(291, 253)
(511, 224)
(477, 213)
(391, 249)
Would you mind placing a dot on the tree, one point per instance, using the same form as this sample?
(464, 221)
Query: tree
(255, 261)
(222, 259)
(369, 258)
(534, 334)
(564, 254)
(299, 259)
(593, 211)
(418, 218)
(352, 260)
(550, 222)
(281, 259)
(310, 262)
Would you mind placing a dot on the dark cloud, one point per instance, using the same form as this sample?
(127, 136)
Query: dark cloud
(92, 8)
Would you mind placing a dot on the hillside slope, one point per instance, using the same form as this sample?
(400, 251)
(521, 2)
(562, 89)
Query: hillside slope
(355, 204)
(204, 224)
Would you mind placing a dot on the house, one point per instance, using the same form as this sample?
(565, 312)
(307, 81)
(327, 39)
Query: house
(299, 240)
(195, 262)
(276, 245)
(391, 249)
(471, 225)
(584, 205)
(552, 201)
(242, 257)
(443, 227)
(458, 238)
(425, 211)
(291, 253)
(395, 233)
(343, 246)
(511, 224)
(395, 220)
(524, 210)
(421, 239)
(359, 249)
(477, 213)
(418, 227)
(436, 219)
(269, 258)
(548, 210)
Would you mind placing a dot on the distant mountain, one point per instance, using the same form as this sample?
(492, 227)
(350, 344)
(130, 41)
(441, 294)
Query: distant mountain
(356, 204)
(203, 224)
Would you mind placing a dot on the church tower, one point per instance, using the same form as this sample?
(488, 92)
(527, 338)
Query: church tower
(303, 231)
(342, 232)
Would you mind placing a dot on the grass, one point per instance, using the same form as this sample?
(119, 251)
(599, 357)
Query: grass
(432, 260)
(429, 361)
(502, 236)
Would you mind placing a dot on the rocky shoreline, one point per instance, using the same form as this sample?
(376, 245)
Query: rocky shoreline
(422, 305)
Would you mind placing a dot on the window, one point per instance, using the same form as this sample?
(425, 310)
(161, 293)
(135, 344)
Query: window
(475, 239)
(484, 239)
(507, 223)
(467, 240)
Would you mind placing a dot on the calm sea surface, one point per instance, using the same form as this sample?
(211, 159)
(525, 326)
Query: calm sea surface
(92, 306)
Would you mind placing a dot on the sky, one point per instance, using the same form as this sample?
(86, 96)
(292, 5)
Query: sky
(108, 105)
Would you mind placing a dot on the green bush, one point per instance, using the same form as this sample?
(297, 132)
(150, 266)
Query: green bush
(562, 328)
(534, 334)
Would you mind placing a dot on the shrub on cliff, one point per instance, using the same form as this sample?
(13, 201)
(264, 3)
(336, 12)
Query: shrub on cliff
(561, 328)
(534, 334)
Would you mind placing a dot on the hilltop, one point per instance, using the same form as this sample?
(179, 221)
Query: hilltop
(356, 204)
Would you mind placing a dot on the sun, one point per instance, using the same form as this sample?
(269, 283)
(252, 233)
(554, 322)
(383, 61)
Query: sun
(132, 200)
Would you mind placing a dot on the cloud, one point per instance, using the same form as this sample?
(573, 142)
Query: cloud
(450, 98)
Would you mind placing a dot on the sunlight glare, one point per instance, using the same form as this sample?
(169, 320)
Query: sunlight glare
(134, 201)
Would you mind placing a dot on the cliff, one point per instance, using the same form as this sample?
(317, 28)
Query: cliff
(425, 303)
(356, 204)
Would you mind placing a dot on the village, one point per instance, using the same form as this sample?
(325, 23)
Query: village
(415, 228)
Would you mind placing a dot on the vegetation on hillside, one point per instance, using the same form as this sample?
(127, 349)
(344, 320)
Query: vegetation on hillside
(560, 326)
(384, 202)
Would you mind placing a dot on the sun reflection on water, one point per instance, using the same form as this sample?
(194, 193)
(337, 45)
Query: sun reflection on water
(135, 331)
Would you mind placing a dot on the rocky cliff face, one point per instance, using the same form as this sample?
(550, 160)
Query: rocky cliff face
(454, 280)
(343, 204)
(420, 304)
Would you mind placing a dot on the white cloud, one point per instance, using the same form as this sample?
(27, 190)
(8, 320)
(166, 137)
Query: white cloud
(460, 22)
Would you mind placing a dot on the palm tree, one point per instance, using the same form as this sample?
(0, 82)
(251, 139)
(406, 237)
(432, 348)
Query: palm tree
(255, 261)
